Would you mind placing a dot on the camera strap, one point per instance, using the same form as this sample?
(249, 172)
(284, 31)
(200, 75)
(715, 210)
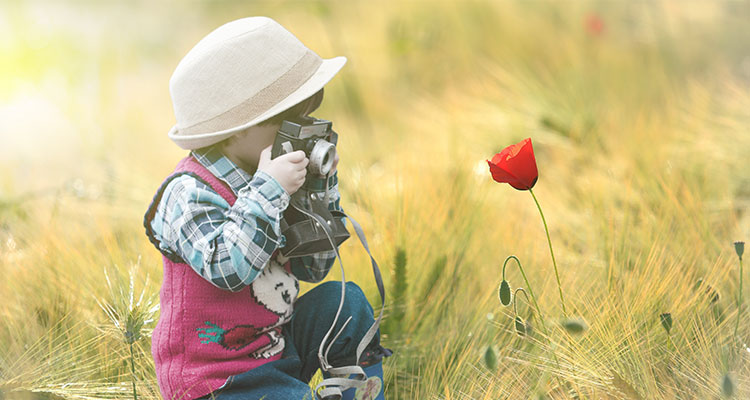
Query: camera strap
(339, 382)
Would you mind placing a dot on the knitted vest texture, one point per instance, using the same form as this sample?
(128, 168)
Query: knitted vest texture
(206, 334)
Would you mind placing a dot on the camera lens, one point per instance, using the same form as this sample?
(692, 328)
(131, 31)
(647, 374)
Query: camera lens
(321, 157)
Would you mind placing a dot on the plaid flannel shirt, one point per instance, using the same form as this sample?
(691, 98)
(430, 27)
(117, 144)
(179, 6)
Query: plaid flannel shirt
(230, 245)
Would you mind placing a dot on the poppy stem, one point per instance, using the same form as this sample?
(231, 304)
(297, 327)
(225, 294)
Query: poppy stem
(515, 301)
(739, 302)
(528, 286)
(552, 253)
(538, 315)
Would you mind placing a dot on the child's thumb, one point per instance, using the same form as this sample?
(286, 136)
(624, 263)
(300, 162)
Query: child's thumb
(265, 154)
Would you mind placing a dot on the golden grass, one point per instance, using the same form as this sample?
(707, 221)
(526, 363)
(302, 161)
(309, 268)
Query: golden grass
(641, 137)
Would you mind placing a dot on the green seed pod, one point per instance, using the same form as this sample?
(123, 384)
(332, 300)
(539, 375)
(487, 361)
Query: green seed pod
(727, 386)
(520, 327)
(739, 247)
(504, 293)
(666, 322)
(574, 326)
(490, 359)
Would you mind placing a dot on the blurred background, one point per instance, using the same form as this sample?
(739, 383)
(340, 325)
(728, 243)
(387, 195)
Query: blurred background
(640, 117)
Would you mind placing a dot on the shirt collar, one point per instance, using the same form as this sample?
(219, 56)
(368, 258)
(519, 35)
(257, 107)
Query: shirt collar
(222, 167)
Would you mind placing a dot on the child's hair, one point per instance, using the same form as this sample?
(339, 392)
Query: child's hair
(302, 108)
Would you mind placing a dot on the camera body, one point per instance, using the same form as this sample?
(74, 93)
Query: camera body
(316, 138)
(308, 207)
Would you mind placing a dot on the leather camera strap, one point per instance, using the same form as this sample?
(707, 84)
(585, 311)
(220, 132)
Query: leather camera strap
(334, 386)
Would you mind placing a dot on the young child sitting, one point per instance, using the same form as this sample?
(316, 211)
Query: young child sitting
(231, 325)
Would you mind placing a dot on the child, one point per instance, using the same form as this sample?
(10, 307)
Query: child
(231, 326)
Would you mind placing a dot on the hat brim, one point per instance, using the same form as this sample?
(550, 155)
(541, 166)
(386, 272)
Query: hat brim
(326, 71)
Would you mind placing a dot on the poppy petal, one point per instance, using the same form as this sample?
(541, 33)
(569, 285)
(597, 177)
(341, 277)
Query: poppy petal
(515, 165)
(502, 176)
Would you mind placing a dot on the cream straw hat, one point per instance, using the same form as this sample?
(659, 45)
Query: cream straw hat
(242, 73)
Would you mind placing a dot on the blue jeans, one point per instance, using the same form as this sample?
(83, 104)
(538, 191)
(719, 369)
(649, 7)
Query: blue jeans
(288, 377)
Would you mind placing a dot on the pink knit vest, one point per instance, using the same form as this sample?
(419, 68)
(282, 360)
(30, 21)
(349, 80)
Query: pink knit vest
(206, 334)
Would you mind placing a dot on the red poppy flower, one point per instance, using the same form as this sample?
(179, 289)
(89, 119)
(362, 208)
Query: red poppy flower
(515, 165)
(594, 24)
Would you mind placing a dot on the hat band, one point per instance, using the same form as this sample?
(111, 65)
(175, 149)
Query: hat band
(262, 101)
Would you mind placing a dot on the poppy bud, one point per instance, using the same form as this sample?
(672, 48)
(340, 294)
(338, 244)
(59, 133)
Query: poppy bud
(574, 326)
(490, 359)
(520, 327)
(504, 293)
(727, 386)
(515, 165)
(666, 322)
(739, 247)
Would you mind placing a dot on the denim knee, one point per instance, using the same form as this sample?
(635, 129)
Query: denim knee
(314, 314)
(355, 305)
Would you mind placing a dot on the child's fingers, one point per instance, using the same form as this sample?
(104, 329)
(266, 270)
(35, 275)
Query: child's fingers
(295, 156)
(265, 155)
(296, 169)
(335, 162)
(264, 160)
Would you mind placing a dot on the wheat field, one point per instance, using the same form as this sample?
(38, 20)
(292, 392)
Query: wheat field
(640, 117)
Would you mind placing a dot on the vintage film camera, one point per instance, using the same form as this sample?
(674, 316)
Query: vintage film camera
(301, 224)
(310, 227)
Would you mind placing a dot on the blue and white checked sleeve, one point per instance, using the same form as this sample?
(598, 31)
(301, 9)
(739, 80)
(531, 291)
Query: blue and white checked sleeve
(314, 268)
(228, 246)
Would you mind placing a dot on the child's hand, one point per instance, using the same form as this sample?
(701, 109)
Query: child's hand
(335, 163)
(288, 169)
